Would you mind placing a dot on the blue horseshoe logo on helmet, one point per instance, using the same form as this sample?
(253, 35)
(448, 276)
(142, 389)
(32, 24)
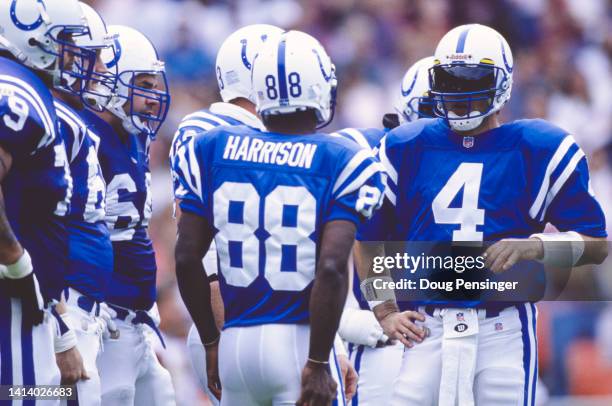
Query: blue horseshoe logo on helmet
(508, 67)
(113, 62)
(22, 26)
(243, 54)
(326, 76)
(407, 92)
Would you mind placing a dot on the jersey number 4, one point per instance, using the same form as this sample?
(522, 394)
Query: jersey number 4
(467, 177)
(288, 254)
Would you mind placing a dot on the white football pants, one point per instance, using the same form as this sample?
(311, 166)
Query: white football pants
(504, 368)
(262, 365)
(130, 371)
(378, 368)
(27, 356)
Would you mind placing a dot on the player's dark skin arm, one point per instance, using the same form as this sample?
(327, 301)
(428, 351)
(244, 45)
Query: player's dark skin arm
(10, 248)
(194, 238)
(215, 290)
(326, 304)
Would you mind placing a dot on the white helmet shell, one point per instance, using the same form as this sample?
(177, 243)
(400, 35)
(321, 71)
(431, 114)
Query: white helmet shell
(99, 37)
(473, 46)
(415, 85)
(235, 58)
(294, 73)
(29, 30)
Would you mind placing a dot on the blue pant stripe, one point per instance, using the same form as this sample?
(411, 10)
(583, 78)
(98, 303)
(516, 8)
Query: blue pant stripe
(27, 359)
(535, 346)
(526, 352)
(339, 372)
(355, 400)
(6, 358)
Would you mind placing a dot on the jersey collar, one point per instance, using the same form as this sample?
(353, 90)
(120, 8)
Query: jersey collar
(237, 113)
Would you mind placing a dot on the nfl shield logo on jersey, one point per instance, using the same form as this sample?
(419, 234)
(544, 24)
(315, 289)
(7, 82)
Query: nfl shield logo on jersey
(468, 142)
(460, 317)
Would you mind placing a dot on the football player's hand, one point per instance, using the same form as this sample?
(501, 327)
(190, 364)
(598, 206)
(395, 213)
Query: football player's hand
(212, 369)
(401, 326)
(318, 386)
(505, 253)
(349, 377)
(71, 366)
(23, 285)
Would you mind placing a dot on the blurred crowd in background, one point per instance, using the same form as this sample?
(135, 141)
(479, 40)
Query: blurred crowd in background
(562, 51)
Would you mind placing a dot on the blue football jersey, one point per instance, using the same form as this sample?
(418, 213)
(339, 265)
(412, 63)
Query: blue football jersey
(38, 187)
(125, 166)
(268, 197)
(203, 120)
(505, 183)
(90, 259)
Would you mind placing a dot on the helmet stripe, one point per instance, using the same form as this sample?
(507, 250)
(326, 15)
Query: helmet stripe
(461, 41)
(282, 74)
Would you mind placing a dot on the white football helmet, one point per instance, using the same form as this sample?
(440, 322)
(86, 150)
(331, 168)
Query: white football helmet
(414, 100)
(135, 55)
(40, 34)
(97, 93)
(235, 57)
(293, 73)
(472, 68)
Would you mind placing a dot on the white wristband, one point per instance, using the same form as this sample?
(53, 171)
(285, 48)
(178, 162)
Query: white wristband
(561, 249)
(3, 271)
(67, 340)
(21, 268)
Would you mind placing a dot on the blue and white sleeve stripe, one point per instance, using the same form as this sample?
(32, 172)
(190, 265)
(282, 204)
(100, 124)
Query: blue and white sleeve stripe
(350, 169)
(188, 172)
(391, 180)
(559, 169)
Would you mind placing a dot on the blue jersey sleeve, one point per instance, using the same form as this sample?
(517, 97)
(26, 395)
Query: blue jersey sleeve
(358, 189)
(190, 176)
(572, 204)
(564, 195)
(27, 119)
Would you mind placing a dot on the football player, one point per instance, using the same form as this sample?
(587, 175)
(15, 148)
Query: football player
(36, 186)
(376, 359)
(280, 204)
(414, 100)
(90, 260)
(132, 117)
(473, 179)
(233, 69)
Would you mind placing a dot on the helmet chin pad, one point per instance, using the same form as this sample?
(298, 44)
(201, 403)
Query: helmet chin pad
(465, 123)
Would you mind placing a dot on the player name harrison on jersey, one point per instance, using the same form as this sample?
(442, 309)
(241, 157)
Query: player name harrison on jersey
(294, 154)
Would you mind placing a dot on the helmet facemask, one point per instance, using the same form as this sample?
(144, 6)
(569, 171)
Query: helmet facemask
(464, 94)
(98, 91)
(73, 64)
(142, 101)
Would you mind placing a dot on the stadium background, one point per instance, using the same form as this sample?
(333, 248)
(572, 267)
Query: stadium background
(562, 51)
